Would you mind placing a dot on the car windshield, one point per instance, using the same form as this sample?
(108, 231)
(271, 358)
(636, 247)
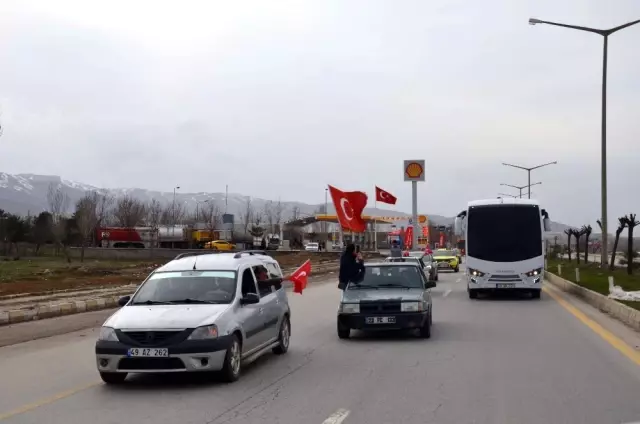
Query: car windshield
(443, 253)
(403, 259)
(391, 276)
(188, 287)
(417, 254)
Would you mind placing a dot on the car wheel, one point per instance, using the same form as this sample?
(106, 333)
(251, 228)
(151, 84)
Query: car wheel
(456, 269)
(113, 377)
(284, 337)
(535, 294)
(473, 294)
(343, 332)
(425, 330)
(436, 276)
(232, 361)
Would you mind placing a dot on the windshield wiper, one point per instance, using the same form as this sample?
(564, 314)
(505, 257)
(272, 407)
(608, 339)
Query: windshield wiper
(394, 285)
(189, 300)
(151, 302)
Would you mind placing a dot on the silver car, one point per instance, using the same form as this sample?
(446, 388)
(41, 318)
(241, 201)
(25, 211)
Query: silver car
(209, 312)
(429, 264)
(391, 296)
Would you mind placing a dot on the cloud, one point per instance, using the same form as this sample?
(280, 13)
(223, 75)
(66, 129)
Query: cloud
(277, 99)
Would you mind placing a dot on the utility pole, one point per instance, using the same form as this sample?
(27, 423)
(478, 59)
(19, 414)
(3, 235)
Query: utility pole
(521, 187)
(605, 33)
(529, 171)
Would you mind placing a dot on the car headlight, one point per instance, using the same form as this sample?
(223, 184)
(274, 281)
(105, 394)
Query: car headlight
(108, 334)
(411, 307)
(349, 308)
(534, 272)
(206, 332)
(476, 273)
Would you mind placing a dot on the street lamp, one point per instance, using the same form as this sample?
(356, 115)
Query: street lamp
(605, 33)
(529, 171)
(505, 194)
(521, 187)
(198, 204)
(174, 204)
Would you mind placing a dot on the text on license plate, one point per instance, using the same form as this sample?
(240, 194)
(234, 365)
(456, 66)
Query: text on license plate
(505, 285)
(148, 352)
(381, 320)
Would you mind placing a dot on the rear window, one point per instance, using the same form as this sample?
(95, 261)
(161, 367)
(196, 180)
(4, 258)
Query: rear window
(393, 276)
(188, 287)
(443, 253)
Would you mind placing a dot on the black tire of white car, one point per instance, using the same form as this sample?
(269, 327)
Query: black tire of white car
(457, 269)
(284, 337)
(473, 294)
(231, 370)
(113, 377)
(535, 294)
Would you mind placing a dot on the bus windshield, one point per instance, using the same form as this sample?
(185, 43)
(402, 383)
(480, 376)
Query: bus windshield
(500, 233)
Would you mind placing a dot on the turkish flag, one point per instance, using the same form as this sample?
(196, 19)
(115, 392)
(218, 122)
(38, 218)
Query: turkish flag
(299, 277)
(349, 206)
(385, 197)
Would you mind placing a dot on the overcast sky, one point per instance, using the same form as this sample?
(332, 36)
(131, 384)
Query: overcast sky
(278, 98)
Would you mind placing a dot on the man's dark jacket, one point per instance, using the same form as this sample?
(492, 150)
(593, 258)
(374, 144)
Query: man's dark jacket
(351, 270)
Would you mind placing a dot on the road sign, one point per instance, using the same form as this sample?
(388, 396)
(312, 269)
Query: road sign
(414, 170)
(422, 219)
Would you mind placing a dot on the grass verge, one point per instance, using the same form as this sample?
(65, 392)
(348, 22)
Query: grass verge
(594, 278)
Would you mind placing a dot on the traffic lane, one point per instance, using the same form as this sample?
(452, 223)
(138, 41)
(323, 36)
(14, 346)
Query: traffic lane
(313, 324)
(38, 371)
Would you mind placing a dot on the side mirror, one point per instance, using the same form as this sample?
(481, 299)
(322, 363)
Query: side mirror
(457, 226)
(124, 300)
(546, 222)
(250, 299)
(430, 284)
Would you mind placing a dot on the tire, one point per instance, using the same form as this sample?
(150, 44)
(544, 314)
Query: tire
(284, 337)
(456, 269)
(232, 361)
(425, 330)
(535, 294)
(436, 277)
(473, 294)
(343, 332)
(113, 377)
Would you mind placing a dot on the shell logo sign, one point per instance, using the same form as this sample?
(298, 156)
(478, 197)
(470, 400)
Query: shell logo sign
(414, 170)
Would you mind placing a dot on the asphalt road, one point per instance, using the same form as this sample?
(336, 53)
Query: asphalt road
(493, 361)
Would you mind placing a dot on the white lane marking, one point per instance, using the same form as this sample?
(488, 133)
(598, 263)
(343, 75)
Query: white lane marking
(458, 280)
(446, 293)
(337, 417)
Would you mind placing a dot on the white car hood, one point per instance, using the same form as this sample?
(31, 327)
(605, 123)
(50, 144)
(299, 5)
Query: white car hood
(164, 316)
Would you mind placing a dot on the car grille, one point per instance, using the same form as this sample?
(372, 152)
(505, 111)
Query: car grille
(379, 307)
(505, 278)
(151, 364)
(151, 338)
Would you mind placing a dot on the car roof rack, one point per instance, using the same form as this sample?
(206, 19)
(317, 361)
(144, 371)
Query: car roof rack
(249, 252)
(187, 254)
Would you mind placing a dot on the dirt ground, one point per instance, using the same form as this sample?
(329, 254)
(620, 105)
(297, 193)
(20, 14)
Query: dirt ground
(44, 275)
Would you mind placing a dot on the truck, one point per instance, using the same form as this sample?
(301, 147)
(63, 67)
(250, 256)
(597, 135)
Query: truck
(504, 245)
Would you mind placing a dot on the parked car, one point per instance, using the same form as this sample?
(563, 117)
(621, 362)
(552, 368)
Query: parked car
(221, 245)
(312, 247)
(198, 313)
(391, 296)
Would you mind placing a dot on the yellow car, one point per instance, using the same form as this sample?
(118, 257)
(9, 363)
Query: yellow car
(446, 259)
(222, 245)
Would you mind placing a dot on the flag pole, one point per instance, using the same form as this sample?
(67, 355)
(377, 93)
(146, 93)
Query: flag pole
(375, 227)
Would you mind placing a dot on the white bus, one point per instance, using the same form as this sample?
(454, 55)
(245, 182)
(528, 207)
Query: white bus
(504, 244)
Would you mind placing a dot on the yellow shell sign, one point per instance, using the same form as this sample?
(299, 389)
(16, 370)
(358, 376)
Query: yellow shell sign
(414, 170)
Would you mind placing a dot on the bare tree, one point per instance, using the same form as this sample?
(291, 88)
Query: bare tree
(86, 218)
(211, 215)
(631, 224)
(586, 230)
(578, 234)
(278, 209)
(569, 233)
(622, 224)
(246, 215)
(154, 215)
(129, 211)
(58, 202)
(173, 214)
(269, 215)
(295, 213)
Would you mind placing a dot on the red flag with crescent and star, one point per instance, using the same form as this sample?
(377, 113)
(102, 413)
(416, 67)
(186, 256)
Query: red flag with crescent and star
(299, 277)
(385, 197)
(349, 206)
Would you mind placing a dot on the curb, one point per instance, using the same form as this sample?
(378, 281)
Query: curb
(615, 309)
(80, 306)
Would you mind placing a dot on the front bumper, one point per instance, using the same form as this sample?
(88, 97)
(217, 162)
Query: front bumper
(484, 284)
(185, 356)
(447, 265)
(404, 321)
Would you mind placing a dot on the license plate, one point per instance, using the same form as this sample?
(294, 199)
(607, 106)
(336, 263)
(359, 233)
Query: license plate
(505, 286)
(148, 352)
(381, 320)
(443, 265)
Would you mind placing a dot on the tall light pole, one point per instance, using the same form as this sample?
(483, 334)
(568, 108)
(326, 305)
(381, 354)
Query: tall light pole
(198, 204)
(521, 187)
(174, 205)
(529, 171)
(605, 33)
(326, 205)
